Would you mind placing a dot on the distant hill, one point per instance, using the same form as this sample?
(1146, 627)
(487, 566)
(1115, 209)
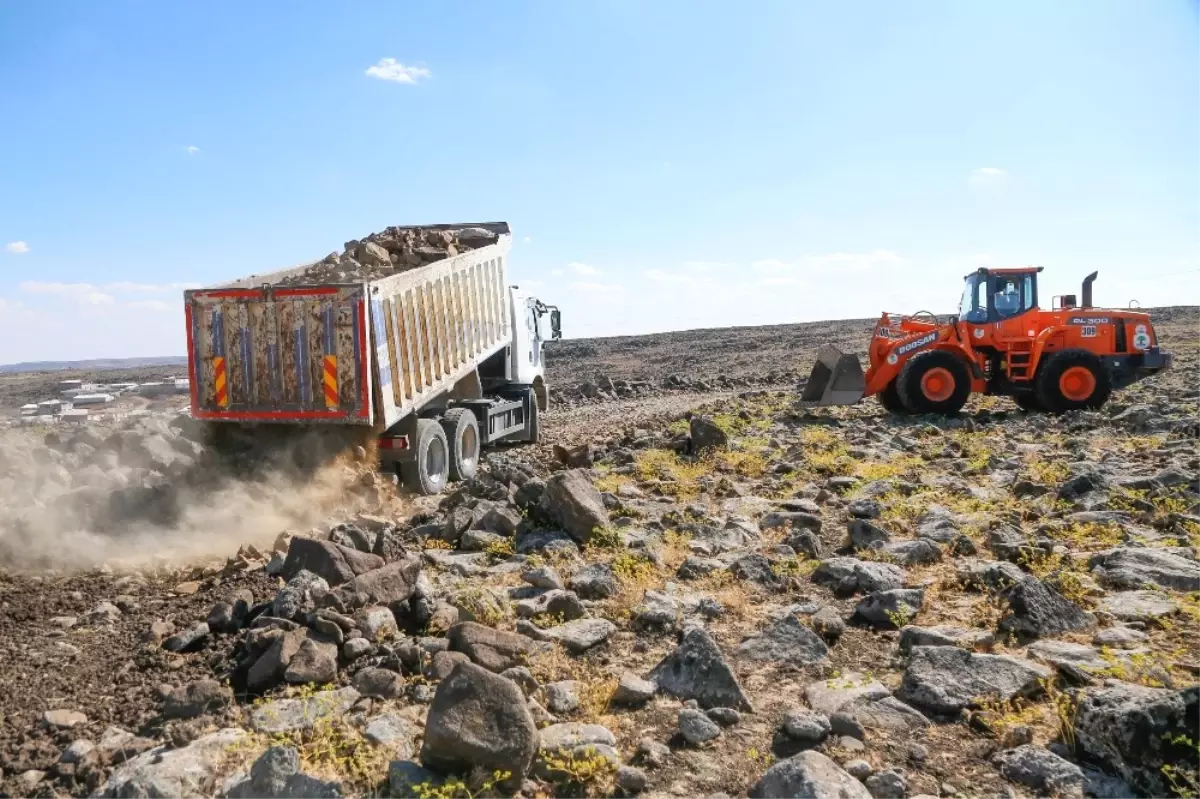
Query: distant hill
(95, 365)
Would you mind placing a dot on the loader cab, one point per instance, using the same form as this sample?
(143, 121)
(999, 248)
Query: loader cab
(994, 295)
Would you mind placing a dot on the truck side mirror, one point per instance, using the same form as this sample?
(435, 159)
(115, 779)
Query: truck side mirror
(555, 324)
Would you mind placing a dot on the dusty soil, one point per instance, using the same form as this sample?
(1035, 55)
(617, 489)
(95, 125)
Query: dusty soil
(60, 650)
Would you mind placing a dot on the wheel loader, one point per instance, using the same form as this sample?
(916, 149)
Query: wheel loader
(1001, 342)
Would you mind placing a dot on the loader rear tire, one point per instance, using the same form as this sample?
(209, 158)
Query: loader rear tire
(934, 382)
(1072, 380)
(889, 398)
(428, 471)
(462, 435)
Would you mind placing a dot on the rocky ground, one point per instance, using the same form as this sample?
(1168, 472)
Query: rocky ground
(689, 589)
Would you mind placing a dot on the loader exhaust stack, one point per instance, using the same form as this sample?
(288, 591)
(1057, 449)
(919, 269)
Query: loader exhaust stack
(836, 379)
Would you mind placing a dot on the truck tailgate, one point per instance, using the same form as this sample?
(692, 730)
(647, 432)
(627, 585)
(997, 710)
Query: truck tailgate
(280, 354)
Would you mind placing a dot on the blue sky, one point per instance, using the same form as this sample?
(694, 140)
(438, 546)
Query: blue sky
(665, 165)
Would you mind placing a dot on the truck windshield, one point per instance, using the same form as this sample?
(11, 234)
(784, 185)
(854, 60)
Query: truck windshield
(973, 307)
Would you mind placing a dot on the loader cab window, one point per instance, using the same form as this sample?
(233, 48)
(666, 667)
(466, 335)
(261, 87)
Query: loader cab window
(1012, 295)
(974, 306)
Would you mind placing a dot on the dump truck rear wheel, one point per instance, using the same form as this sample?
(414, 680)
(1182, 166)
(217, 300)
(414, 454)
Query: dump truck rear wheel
(934, 382)
(1073, 380)
(429, 469)
(533, 430)
(462, 436)
(889, 398)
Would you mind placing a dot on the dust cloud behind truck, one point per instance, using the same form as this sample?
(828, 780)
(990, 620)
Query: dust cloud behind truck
(414, 332)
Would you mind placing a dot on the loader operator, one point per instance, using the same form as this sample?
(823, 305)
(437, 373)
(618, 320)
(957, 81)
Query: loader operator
(1008, 302)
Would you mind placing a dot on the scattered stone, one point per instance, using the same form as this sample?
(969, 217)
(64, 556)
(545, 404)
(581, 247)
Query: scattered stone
(288, 715)
(1120, 637)
(162, 771)
(1041, 770)
(725, 716)
(187, 641)
(542, 577)
(631, 780)
(846, 576)
(946, 679)
(556, 603)
(1144, 567)
(828, 623)
(480, 719)
(865, 508)
(864, 535)
(785, 641)
(632, 690)
(332, 563)
(706, 434)
(276, 774)
(697, 670)
(1139, 605)
(1036, 610)
(394, 582)
(64, 719)
(572, 501)
(890, 609)
(581, 635)
(945, 635)
(696, 727)
(314, 662)
(562, 697)
(1076, 661)
(806, 727)
(573, 742)
(658, 612)
(379, 683)
(495, 650)
(595, 581)
(808, 774)
(196, 699)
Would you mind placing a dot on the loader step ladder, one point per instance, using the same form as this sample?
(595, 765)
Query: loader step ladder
(1020, 356)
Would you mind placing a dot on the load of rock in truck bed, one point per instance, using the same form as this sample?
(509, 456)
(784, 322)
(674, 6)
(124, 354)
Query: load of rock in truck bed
(395, 250)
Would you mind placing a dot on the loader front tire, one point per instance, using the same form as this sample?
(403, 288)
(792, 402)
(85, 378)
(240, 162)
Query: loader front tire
(462, 435)
(934, 382)
(1072, 380)
(889, 398)
(429, 469)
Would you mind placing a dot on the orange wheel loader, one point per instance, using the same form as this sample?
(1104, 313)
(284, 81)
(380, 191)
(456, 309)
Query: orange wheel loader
(1000, 343)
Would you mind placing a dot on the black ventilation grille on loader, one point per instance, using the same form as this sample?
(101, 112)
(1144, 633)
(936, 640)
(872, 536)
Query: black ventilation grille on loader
(836, 379)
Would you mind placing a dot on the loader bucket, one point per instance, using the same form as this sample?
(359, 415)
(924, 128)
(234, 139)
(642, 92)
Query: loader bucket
(836, 379)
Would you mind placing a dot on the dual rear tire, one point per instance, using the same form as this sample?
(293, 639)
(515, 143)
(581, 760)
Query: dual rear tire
(444, 449)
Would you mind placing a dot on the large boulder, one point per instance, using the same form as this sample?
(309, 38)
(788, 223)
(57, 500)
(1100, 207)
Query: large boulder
(811, 775)
(573, 502)
(480, 719)
(333, 563)
(947, 679)
(1143, 567)
(846, 576)
(706, 434)
(1037, 610)
(494, 650)
(1041, 770)
(1135, 731)
(786, 641)
(189, 771)
(393, 582)
(696, 669)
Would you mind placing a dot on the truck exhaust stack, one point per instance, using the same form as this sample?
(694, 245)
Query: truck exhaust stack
(836, 379)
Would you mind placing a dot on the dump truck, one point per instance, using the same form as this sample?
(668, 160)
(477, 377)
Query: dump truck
(414, 333)
(1069, 357)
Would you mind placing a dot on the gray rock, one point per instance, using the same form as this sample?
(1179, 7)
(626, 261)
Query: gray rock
(63, 719)
(830, 696)
(890, 609)
(920, 552)
(314, 662)
(1041, 770)
(407, 778)
(859, 769)
(269, 668)
(945, 635)
(522, 677)
(572, 501)
(828, 623)
(1139, 605)
(332, 563)
(394, 582)
(697, 670)
(555, 602)
(785, 641)
(794, 520)
(1137, 567)
(495, 650)
(188, 640)
(725, 716)
(299, 597)
(480, 719)
(573, 741)
(1120, 637)
(542, 577)
(595, 581)
(938, 524)
(287, 715)
(693, 568)
(632, 690)
(1076, 661)
(696, 727)
(379, 683)
(946, 679)
(377, 623)
(631, 780)
(754, 568)
(392, 731)
(864, 508)
(196, 699)
(581, 635)
(809, 774)
(806, 726)
(885, 713)
(657, 611)
(80, 751)
(846, 576)
(706, 434)
(478, 540)
(276, 774)
(355, 648)
(562, 697)
(889, 784)
(187, 771)
(845, 723)
(995, 575)
(1036, 610)
(806, 543)
(864, 535)
(1134, 731)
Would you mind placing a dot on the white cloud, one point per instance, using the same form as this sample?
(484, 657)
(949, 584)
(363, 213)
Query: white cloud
(583, 269)
(392, 70)
(17, 247)
(528, 240)
(595, 287)
(987, 177)
(151, 305)
(191, 149)
(84, 289)
(557, 272)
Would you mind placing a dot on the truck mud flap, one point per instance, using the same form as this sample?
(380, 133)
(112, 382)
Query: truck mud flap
(836, 379)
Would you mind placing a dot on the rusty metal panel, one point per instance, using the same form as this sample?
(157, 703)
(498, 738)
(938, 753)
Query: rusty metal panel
(288, 325)
(344, 349)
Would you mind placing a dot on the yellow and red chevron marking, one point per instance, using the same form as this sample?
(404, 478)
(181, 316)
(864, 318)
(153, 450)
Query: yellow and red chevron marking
(220, 382)
(331, 382)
